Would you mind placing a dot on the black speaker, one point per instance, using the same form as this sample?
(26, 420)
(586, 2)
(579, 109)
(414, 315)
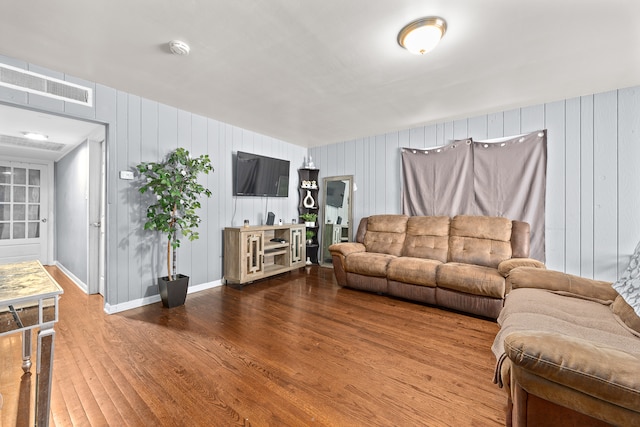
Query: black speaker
(339, 221)
(270, 218)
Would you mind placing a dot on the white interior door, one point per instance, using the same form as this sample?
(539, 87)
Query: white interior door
(97, 193)
(24, 208)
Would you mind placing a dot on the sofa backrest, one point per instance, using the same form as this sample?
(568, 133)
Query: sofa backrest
(480, 240)
(520, 239)
(385, 234)
(427, 237)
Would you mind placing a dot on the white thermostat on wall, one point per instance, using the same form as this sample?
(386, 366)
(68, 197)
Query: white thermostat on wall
(126, 175)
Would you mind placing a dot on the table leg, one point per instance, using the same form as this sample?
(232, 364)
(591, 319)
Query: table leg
(44, 371)
(26, 350)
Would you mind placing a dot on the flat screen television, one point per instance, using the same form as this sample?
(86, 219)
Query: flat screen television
(335, 193)
(261, 176)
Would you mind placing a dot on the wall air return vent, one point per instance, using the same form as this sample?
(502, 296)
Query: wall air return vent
(17, 78)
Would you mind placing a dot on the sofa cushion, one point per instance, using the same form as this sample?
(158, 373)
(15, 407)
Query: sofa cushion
(626, 315)
(386, 234)
(628, 285)
(416, 271)
(368, 263)
(587, 366)
(427, 237)
(471, 279)
(480, 240)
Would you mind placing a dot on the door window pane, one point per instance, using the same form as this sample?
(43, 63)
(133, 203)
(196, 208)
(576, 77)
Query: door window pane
(34, 230)
(5, 212)
(34, 212)
(5, 193)
(34, 177)
(19, 229)
(4, 230)
(5, 175)
(34, 194)
(19, 194)
(19, 212)
(19, 176)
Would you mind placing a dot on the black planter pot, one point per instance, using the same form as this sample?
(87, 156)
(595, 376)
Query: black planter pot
(173, 292)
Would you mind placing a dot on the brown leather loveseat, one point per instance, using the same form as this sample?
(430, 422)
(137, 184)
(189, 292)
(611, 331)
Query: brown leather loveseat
(459, 263)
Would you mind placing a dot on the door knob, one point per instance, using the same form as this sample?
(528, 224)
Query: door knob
(44, 220)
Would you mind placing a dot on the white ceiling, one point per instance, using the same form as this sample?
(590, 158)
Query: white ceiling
(315, 73)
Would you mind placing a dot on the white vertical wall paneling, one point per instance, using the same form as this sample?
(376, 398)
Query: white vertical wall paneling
(199, 248)
(477, 128)
(152, 258)
(572, 195)
(460, 129)
(532, 118)
(555, 204)
(430, 136)
(448, 133)
(587, 176)
(416, 138)
(214, 180)
(129, 126)
(126, 198)
(628, 160)
(440, 134)
(605, 186)
(393, 181)
(379, 174)
(511, 122)
(495, 125)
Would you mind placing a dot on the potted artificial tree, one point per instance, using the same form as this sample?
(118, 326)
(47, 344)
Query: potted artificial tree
(174, 182)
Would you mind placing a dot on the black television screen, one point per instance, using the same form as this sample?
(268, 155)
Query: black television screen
(261, 176)
(335, 193)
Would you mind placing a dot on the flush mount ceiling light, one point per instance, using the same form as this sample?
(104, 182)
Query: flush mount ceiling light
(35, 136)
(422, 35)
(178, 47)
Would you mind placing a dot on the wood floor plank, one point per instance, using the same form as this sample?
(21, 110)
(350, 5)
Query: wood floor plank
(295, 350)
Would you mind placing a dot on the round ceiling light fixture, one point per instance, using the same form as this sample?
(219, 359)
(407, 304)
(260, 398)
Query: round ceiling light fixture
(422, 35)
(179, 47)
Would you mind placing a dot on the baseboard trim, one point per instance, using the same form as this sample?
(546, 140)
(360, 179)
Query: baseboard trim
(140, 302)
(79, 283)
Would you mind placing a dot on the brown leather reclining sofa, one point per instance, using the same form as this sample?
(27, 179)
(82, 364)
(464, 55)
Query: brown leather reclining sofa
(459, 263)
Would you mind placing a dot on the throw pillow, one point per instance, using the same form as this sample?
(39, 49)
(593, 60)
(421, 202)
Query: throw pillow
(628, 285)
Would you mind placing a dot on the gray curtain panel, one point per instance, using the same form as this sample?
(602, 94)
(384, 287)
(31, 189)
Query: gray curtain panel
(438, 181)
(505, 178)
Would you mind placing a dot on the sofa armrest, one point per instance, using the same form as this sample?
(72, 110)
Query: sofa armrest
(347, 248)
(598, 371)
(505, 267)
(557, 281)
(339, 252)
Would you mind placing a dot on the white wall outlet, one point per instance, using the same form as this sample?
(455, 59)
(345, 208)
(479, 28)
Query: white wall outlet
(126, 175)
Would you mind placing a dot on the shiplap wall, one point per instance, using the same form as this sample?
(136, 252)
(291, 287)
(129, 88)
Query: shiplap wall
(593, 196)
(138, 130)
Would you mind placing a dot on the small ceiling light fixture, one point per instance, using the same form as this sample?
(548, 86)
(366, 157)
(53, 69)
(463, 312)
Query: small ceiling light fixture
(35, 136)
(422, 35)
(178, 47)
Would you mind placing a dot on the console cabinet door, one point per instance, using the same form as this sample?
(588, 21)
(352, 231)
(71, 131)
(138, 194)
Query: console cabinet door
(253, 251)
(297, 246)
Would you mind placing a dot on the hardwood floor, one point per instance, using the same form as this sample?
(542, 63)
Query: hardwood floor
(295, 350)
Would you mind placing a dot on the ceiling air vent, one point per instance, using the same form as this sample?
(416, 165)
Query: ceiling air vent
(27, 143)
(17, 78)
